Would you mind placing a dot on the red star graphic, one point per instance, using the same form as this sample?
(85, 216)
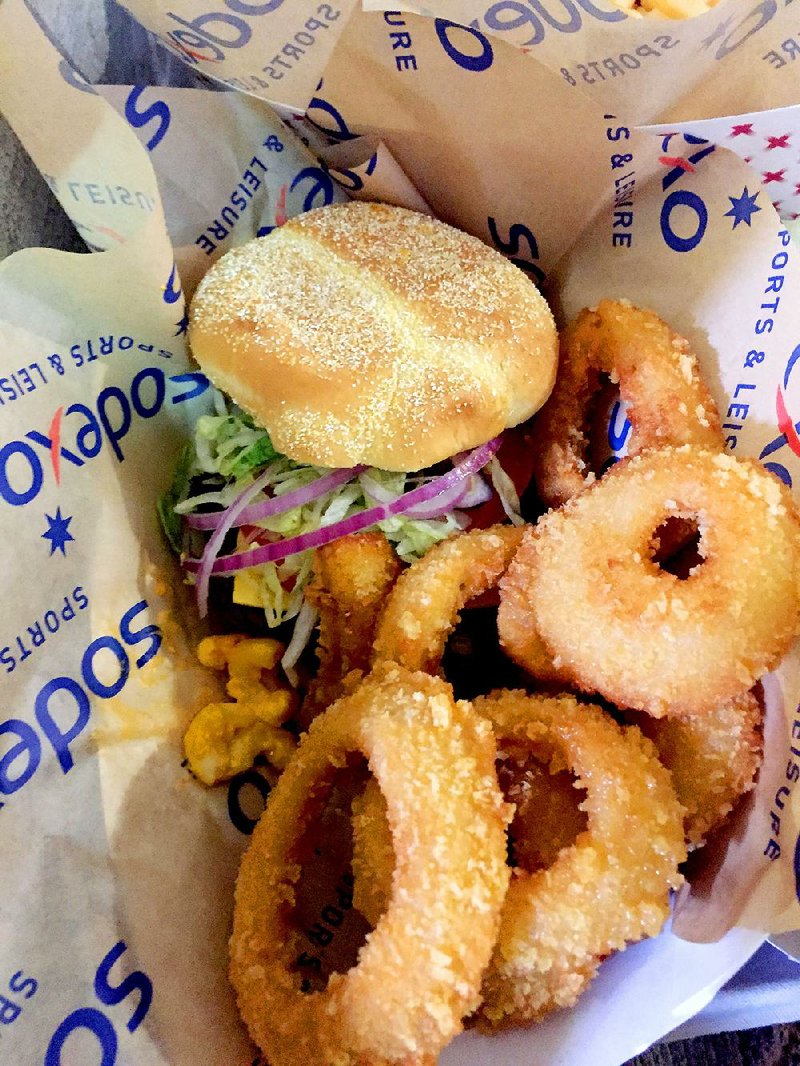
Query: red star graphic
(777, 205)
(748, 159)
(773, 175)
(797, 189)
(778, 142)
(747, 128)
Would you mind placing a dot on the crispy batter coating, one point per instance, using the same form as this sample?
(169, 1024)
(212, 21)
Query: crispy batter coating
(668, 402)
(426, 601)
(547, 818)
(352, 578)
(519, 637)
(419, 971)
(589, 876)
(713, 759)
(611, 886)
(619, 625)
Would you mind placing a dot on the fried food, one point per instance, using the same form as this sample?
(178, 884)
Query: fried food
(427, 599)
(519, 637)
(609, 594)
(547, 818)
(610, 887)
(352, 578)
(419, 971)
(668, 402)
(589, 877)
(713, 758)
(619, 625)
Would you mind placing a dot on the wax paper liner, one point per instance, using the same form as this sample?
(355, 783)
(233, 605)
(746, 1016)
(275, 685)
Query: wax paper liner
(741, 57)
(117, 883)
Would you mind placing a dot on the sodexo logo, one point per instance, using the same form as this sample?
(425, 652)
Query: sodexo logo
(211, 35)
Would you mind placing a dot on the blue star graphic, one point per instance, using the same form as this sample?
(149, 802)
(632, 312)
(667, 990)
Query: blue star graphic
(58, 532)
(742, 207)
(183, 326)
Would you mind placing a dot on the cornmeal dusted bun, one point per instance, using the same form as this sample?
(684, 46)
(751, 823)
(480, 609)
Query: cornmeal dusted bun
(363, 333)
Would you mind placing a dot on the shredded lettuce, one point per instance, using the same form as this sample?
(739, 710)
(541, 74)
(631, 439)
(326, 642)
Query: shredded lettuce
(230, 445)
(175, 494)
(228, 453)
(506, 491)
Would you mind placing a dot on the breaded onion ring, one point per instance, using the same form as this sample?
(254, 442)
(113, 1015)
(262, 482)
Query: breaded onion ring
(352, 578)
(618, 625)
(519, 637)
(713, 759)
(610, 887)
(426, 601)
(668, 402)
(419, 970)
(547, 818)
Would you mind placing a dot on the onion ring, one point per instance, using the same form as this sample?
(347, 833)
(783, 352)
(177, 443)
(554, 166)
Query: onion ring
(713, 759)
(618, 625)
(610, 887)
(352, 578)
(547, 819)
(426, 601)
(598, 882)
(519, 637)
(419, 971)
(668, 402)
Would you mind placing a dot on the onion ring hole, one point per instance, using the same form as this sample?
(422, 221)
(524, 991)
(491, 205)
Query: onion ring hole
(548, 815)
(473, 662)
(676, 545)
(328, 929)
(596, 427)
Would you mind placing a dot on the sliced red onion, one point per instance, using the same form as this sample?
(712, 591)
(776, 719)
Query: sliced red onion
(467, 493)
(473, 491)
(441, 504)
(278, 505)
(205, 565)
(433, 508)
(301, 635)
(271, 553)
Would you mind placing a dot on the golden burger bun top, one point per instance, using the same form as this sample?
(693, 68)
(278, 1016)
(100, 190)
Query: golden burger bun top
(362, 333)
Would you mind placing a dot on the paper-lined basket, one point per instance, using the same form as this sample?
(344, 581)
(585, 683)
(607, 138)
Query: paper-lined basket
(117, 902)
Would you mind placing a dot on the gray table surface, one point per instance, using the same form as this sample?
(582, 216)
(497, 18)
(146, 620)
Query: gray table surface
(30, 216)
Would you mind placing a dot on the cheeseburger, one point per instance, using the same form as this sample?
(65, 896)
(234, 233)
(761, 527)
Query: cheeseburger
(368, 359)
